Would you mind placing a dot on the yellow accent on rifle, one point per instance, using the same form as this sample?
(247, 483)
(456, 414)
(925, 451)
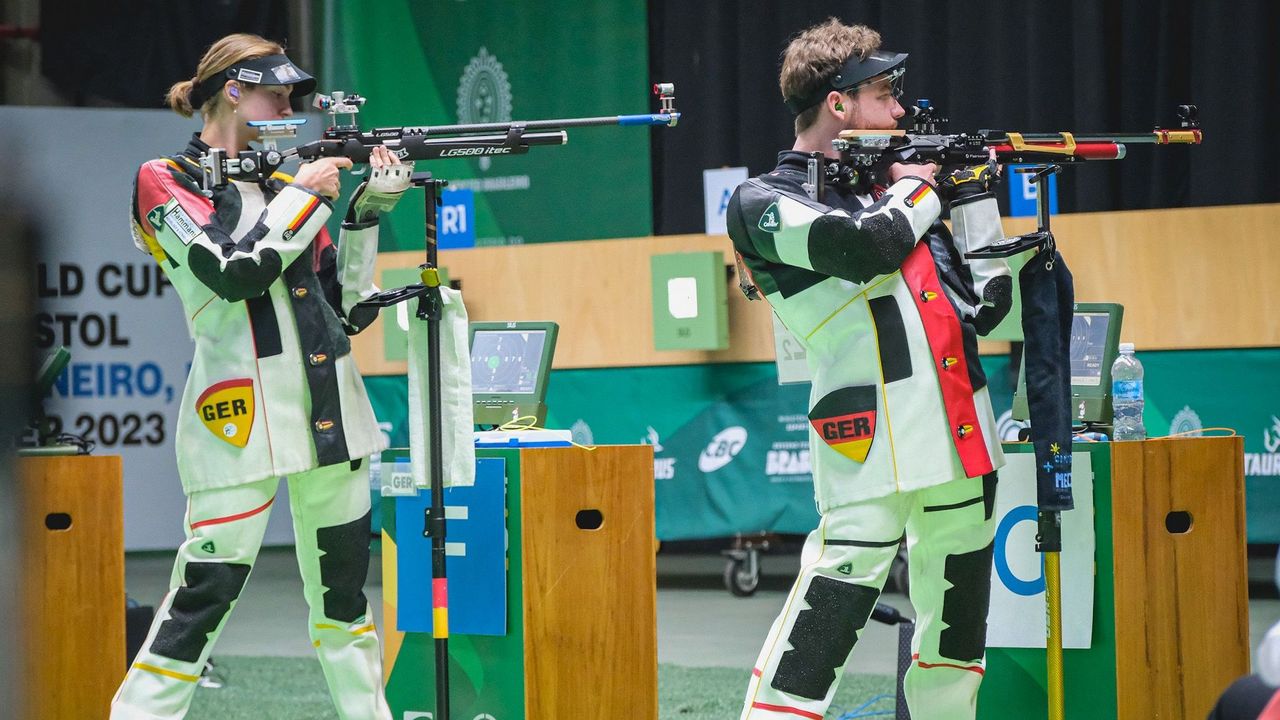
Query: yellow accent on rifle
(1068, 141)
(1171, 137)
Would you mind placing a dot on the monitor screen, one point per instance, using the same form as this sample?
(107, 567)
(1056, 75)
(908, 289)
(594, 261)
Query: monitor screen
(1088, 347)
(506, 361)
(1095, 335)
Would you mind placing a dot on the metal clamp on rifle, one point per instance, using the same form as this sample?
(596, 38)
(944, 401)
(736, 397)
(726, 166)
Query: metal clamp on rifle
(217, 167)
(339, 103)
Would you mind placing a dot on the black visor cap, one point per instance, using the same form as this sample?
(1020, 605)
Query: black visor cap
(269, 70)
(854, 72)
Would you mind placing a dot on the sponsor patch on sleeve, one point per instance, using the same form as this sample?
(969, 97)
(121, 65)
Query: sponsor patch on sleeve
(226, 408)
(771, 219)
(181, 224)
(845, 419)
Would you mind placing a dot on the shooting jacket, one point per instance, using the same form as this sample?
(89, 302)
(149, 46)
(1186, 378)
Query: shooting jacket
(269, 300)
(880, 295)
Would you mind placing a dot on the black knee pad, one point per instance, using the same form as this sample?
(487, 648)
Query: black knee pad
(989, 494)
(965, 605)
(822, 636)
(198, 607)
(344, 565)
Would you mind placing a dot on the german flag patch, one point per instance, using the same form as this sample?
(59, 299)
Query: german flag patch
(846, 420)
(301, 218)
(226, 408)
(918, 195)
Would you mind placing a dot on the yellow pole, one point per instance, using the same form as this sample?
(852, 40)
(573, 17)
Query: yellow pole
(1053, 646)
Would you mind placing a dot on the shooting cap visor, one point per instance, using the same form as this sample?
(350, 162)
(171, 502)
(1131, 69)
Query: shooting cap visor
(855, 73)
(269, 70)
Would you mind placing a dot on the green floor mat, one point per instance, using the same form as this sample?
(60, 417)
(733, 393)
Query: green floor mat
(286, 688)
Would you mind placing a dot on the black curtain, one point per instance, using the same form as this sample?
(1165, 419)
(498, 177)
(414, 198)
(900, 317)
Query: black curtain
(129, 53)
(1083, 66)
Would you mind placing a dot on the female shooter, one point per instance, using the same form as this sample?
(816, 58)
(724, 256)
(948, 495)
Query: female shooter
(273, 390)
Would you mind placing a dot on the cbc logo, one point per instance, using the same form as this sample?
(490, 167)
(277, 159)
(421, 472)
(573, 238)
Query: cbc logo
(722, 449)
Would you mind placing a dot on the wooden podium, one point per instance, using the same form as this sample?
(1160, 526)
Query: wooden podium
(1181, 580)
(581, 637)
(1171, 613)
(70, 512)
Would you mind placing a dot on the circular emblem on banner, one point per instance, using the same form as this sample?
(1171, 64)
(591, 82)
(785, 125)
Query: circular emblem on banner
(581, 433)
(1007, 428)
(484, 93)
(1186, 422)
(229, 430)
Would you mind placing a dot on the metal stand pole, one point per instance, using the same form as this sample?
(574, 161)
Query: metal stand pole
(430, 307)
(1049, 535)
(1049, 542)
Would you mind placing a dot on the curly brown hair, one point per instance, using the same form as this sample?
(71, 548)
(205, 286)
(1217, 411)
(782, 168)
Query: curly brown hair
(816, 53)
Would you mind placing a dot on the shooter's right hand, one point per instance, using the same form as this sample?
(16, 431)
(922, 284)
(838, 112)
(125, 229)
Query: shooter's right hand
(923, 171)
(321, 176)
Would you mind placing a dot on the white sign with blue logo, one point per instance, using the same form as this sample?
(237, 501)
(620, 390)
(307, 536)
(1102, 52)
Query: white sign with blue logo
(1017, 616)
(455, 226)
(1022, 192)
(717, 187)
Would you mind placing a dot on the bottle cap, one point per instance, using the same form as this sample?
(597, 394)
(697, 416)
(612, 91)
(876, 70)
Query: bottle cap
(1126, 347)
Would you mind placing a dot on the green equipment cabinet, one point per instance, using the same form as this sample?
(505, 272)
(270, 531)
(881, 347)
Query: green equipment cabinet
(1171, 618)
(581, 626)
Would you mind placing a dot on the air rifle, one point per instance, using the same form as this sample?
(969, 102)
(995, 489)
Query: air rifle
(345, 138)
(866, 153)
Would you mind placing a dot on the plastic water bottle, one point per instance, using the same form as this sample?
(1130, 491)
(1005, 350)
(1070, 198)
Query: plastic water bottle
(1126, 395)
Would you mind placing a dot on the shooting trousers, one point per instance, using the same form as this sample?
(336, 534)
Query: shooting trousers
(1048, 299)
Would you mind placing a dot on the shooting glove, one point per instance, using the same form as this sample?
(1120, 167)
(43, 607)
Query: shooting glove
(970, 181)
(380, 192)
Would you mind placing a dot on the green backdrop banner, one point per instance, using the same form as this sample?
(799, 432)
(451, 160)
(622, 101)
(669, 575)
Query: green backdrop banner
(1236, 389)
(731, 451)
(440, 63)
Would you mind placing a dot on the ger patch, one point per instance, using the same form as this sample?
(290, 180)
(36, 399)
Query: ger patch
(226, 408)
(845, 419)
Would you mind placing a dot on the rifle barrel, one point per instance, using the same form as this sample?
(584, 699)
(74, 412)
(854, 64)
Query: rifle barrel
(623, 120)
(1191, 136)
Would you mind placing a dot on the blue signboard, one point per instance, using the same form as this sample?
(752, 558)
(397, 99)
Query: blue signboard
(1022, 192)
(455, 219)
(475, 555)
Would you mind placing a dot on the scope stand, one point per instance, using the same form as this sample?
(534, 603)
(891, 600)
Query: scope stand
(431, 308)
(1049, 522)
